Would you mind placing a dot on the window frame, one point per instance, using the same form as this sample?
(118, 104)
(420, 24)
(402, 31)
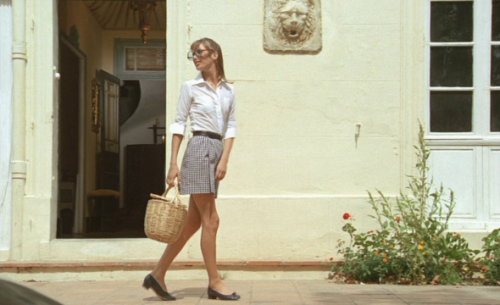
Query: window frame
(120, 66)
(481, 69)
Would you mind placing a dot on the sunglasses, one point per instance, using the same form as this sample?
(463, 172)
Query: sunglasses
(198, 52)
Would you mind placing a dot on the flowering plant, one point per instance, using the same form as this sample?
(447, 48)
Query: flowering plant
(412, 244)
(491, 258)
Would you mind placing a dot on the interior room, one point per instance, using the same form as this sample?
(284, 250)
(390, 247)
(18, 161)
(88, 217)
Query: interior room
(111, 120)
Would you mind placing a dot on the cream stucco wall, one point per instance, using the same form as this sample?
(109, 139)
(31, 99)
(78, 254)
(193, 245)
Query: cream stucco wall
(297, 164)
(297, 114)
(36, 215)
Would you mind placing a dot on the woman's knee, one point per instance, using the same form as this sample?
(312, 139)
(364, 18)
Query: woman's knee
(211, 224)
(208, 212)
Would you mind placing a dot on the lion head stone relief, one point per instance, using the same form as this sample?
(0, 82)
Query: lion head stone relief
(292, 25)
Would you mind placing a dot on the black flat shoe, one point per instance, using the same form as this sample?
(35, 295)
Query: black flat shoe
(212, 294)
(150, 282)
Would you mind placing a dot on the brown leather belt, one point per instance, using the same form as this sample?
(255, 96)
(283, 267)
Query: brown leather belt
(211, 135)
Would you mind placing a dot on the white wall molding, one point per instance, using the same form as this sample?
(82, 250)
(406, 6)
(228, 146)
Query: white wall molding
(6, 78)
(18, 156)
(304, 196)
(177, 47)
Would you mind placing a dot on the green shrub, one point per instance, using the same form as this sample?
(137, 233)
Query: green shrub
(412, 244)
(491, 259)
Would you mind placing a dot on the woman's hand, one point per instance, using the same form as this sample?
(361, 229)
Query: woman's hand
(221, 170)
(173, 173)
(220, 173)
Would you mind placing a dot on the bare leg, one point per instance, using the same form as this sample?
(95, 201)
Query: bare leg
(192, 226)
(210, 224)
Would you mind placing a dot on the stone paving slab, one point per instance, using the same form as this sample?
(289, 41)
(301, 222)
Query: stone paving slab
(268, 292)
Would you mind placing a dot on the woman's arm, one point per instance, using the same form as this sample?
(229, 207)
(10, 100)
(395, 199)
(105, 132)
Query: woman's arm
(174, 171)
(222, 166)
(229, 138)
(178, 129)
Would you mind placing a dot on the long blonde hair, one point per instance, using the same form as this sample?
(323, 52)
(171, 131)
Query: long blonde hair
(214, 46)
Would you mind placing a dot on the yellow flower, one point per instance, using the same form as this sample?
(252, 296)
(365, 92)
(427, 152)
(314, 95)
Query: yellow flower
(420, 247)
(393, 246)
(385, 260)
(384, 255)
(376, 252)
(339, 240)
(422, 242)
(384, 243)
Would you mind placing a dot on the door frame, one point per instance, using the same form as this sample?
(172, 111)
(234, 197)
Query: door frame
(80, 187)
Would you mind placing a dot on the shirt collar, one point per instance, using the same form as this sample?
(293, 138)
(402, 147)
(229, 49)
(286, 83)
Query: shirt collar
(199, 80)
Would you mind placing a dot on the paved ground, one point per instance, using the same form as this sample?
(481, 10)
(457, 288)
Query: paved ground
(268, 292)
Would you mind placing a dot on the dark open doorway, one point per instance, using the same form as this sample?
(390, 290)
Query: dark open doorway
(110, 159)
(71, 131)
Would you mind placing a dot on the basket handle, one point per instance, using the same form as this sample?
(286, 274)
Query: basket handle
(169, 188)
(177, 195)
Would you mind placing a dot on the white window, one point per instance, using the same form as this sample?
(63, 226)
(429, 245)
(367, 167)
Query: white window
(464, 74)
(463, 106)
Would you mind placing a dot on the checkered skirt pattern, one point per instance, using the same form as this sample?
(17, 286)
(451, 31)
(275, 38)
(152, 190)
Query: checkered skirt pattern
(199, 165)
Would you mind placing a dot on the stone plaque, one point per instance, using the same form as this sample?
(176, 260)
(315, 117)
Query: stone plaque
(292, 26)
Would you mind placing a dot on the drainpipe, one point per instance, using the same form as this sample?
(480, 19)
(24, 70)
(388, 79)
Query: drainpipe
(18, 165)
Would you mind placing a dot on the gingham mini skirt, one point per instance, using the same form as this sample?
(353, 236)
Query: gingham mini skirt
(199, 165)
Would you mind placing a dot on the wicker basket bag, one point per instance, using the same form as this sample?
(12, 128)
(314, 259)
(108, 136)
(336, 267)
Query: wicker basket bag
(165, 218)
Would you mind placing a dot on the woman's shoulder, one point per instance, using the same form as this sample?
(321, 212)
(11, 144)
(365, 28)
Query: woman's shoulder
(191, 82)
(229, 85)
(188, 85)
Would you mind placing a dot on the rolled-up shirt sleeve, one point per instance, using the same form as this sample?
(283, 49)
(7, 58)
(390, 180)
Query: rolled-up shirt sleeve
(231, 123)
(179, 127)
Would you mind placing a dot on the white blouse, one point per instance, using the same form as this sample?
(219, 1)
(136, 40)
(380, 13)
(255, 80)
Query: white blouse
(208, 109)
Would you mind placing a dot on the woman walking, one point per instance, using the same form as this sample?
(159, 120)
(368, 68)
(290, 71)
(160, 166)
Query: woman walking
(209, 101)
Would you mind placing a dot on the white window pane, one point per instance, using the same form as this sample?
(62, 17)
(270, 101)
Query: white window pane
(451, 21)
(451, 111)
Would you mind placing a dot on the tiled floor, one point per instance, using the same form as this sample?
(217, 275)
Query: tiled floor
(269, 292)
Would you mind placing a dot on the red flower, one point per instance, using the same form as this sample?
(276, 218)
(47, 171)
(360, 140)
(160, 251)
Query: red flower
(398, 219)
(484, 269)
(347, 216)
(331, 258)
